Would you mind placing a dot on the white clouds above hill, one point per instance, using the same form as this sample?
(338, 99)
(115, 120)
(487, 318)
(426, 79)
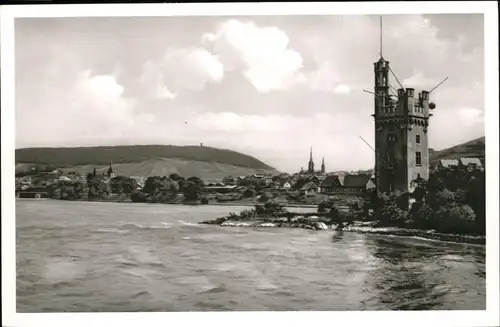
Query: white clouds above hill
(270, 86)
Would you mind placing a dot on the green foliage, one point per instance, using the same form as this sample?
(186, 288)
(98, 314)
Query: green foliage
(265, 197)
(452, 201)
(422, 216)
(270, 208)
(249, 193)
(192, 191)
(456, 219)
(124, 154)
(197, 181)
(137, 196)
(389, 213)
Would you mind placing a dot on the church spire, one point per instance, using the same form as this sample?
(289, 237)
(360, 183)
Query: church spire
(323, 165)
(111, 173)
(311, 162)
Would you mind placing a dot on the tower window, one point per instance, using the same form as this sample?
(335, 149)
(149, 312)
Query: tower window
(418, 158)
(418, 139)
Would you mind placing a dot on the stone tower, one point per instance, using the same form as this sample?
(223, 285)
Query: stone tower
(401, 134)
(323, 166)
(310, 168)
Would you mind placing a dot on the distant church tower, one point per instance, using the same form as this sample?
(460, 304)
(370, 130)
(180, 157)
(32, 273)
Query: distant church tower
(310, 168)
(111, 173)
(401, 139)
(323, 166)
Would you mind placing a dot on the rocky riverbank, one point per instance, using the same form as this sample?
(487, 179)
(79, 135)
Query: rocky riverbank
(317, 222)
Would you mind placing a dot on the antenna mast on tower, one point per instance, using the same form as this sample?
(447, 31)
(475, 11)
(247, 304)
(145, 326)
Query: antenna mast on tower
(381, 56)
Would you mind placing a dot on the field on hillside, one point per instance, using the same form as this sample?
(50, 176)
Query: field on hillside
(208, 171)
(102, 155)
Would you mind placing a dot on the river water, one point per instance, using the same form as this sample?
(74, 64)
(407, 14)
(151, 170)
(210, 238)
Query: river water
(116, 257)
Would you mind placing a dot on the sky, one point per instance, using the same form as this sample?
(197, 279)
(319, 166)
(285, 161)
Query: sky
(267, 86)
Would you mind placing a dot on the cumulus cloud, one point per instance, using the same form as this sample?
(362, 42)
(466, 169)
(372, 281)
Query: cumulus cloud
(330, 135)
(261, 53)
(316, 67)
(418, 79)
(92, 108)
(471, 116)
(181, 69)
(342, 89)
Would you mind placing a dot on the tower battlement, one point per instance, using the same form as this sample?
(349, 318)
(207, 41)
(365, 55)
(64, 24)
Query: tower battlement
(401, 132)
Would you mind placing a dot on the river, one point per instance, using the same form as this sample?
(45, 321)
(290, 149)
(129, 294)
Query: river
(117, 257)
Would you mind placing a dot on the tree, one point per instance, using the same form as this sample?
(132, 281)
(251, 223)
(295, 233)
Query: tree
(175, 177)
(441, 198)
(78, 190)
(456, 219)
(197, 181)
(191, 191)
(174, 188)
(137, 196)
(422, 215)
(249, 193)
(265, 196)
(390, 214)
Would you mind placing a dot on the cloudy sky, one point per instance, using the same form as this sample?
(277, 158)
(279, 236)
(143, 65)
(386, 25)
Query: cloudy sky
(268, 86)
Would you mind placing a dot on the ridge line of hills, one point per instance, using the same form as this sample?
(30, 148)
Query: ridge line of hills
(201, 161)
(103, 155)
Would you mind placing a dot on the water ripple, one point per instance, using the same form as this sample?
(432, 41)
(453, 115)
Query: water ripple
(84, 257)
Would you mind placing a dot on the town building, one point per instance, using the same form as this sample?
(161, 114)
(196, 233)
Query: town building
(447, 163)
(309, 189)
(354, 184)
(471, 163)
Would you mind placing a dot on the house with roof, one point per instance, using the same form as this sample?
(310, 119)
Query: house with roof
(317, 179)
(448, 163)
(309, 189)
(358, 184)
(286, 185)
(331, 185)
(471, 163)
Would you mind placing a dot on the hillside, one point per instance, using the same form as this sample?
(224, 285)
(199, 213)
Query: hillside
(473, 148)
(208, 171)
(103, 155)
(145, 160)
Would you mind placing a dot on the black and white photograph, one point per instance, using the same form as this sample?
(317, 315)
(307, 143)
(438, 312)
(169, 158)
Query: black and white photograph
(328, 160)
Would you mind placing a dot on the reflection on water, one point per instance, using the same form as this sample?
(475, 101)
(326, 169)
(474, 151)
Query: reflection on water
(133, 257)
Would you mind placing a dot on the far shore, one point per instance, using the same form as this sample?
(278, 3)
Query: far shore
(227, 204)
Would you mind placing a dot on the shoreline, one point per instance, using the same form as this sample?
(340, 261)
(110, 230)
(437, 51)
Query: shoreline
(310, 224)
(360, 227)
(227, 204)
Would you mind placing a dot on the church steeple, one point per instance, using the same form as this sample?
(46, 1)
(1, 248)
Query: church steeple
(311, 162)
(323, 166)
(111, 173)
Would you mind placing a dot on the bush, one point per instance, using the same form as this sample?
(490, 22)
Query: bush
(138, 196)
(422, 215)
(456, 219)
(390, 214)
(204, 200)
